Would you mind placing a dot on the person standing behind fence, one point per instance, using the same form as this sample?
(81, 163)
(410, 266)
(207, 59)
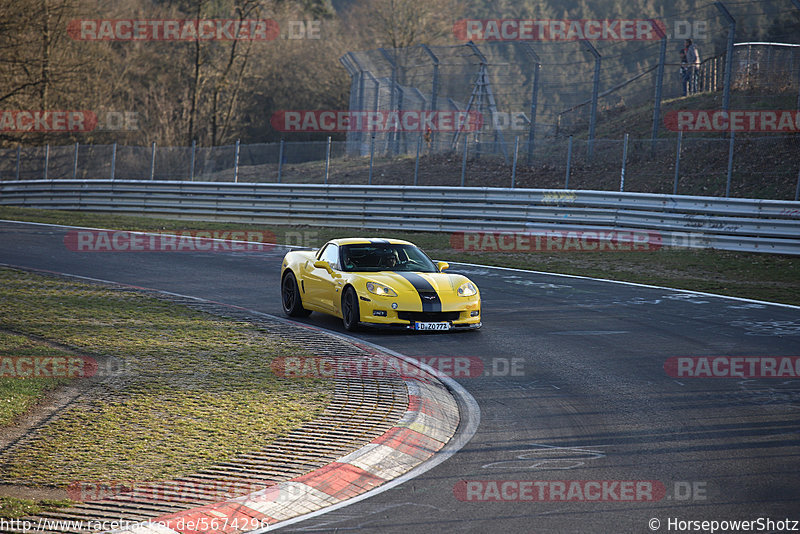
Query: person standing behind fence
(684, 73)
(693, 58)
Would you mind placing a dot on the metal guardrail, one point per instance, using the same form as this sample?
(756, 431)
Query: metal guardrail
(687, 221)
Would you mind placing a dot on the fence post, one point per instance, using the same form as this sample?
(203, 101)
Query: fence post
(624, 163)
(236, 163)
(327, 159)
(280, 160)
(595, 96)
(730, 164)
(662, 55)
(371, 155)
(153, 161)
(434, 85)
(464, 162)
(19, 157)
(569, 162)
(191, 164)
(534, 101)
(797, 5)
(75, 163)
(394, 97)
(114, 161)
(46, 159)
(416, 165)
(514, 167)
(726, 94)
(797, 189)
(677, 163)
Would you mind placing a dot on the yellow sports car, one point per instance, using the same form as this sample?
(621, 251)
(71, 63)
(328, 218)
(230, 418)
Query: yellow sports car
(378, 282)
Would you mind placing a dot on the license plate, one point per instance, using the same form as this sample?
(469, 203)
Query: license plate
(432, 326)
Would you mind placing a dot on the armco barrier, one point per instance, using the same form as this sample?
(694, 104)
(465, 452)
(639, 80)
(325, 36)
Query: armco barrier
(700, 222)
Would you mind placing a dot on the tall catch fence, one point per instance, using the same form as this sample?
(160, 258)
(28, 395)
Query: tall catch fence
(553, 115)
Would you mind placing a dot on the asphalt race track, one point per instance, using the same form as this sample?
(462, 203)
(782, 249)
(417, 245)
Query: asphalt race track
(590, 399)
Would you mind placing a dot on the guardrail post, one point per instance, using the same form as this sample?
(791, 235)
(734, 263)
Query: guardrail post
(191, 164)
(464, 162)
(280, 160)
(726, 90)
(371, 155)
(677, 162)
(114, 161)
(153, 161)
(624, 163)
(236, 163)
(730, 164)
(569, 162)
(75, 163)
(514, 167)
(327, 159)
(19, 158)
(46, 159)
(416, 165)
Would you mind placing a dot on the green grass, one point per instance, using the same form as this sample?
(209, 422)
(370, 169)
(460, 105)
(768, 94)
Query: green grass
(18, 395)
(759, 276)
(189, 389)
(14, 508)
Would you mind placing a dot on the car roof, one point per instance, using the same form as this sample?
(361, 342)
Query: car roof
(369, 240)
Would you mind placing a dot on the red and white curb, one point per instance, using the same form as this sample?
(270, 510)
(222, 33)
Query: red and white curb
(429, 422)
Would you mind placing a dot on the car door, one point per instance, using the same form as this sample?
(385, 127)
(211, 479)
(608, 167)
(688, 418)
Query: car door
(320, 285)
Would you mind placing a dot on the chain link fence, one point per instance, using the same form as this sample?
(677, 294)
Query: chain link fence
(533, 97)
(682, 165)
(767, 67)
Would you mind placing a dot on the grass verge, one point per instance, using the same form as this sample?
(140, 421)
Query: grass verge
(188, 389)
(768, 277)
(14, 508)
(19, 396)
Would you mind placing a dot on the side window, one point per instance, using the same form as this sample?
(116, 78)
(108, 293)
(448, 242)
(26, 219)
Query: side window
(331, 255)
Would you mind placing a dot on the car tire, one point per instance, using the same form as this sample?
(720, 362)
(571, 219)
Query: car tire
(350, 310)
(290, 297)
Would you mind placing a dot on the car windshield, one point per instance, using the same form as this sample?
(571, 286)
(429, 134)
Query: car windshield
(375, 257)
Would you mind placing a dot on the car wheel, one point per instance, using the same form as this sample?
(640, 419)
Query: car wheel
(350, 312)
(290, 297)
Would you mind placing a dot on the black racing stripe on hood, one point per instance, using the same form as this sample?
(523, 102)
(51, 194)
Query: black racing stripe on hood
(427, 294)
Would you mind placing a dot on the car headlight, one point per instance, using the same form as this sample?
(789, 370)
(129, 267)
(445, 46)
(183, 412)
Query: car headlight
(467, 289)
(380, 289)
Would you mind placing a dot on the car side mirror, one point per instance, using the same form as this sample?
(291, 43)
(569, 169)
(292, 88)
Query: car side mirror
(319, 264)
(442, 265)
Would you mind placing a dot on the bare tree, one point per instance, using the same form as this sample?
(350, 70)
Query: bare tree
(403, 23)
